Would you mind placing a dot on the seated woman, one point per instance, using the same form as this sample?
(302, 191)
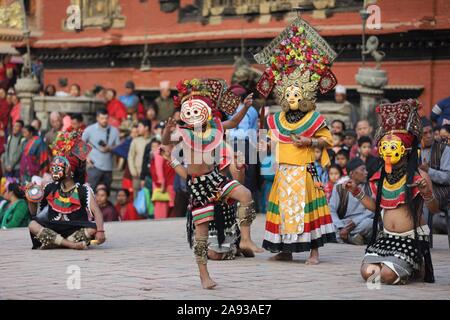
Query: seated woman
(69, 202)
(108, 210)
(14, 214)
(124, 206)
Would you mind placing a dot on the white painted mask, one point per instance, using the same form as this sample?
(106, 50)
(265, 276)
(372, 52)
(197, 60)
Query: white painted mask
(195, 112)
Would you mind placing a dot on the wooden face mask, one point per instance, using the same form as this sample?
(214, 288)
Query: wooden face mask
(59, 168)
(195, 112)
(293, 96)
(392, 150)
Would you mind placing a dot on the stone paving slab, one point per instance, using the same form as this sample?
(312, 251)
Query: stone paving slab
(151, 260)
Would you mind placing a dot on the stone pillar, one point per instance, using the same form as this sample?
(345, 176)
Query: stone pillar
(372, 82)
(26, 89)
(84, 105)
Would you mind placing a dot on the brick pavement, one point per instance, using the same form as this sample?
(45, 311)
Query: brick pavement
(151, 260)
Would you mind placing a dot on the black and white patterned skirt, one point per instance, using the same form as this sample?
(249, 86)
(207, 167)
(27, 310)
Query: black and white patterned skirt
(399, 252)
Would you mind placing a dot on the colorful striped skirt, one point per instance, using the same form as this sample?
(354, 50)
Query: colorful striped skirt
(298, 218)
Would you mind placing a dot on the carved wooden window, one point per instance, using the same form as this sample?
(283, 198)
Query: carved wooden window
(100, 13)
(219, 7)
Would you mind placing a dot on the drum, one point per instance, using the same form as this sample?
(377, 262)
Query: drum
(34, 193)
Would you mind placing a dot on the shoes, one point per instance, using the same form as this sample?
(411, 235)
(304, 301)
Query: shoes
(357, 240)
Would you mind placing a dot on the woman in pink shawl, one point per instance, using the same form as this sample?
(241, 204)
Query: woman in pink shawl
(35, 157)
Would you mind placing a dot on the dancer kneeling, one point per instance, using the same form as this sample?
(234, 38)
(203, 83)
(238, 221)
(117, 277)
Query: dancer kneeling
(401, 250)
(62, 211)
(202, 138)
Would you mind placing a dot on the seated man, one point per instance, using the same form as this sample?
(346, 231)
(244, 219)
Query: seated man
(69, 202)
(353, 222)
(435, 158)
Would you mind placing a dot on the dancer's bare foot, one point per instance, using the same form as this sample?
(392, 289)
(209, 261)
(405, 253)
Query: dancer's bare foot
(313, 257)
(282, 256)
(79, 245)
(248, 248)
(207, 282)
(312, 261)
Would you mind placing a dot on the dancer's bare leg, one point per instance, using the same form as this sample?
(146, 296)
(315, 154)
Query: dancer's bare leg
(370, 269)
(313, 257)
(201, 255)
(244, 196)
(388, 276)
(35, 228)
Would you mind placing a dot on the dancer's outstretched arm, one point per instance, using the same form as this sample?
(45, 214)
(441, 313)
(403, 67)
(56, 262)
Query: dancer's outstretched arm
(166, 153)
(237, 118)
(171, 124)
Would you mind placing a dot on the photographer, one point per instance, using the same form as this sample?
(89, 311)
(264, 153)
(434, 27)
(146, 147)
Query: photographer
(103, 138)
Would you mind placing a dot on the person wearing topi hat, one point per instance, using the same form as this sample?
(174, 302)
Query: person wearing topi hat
(353, 222)
(164, 102)
(340, 97)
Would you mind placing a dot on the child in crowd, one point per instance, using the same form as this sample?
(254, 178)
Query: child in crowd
(268, 164)
(364, 153)
(338, 141)
(334, 174)
(321, 171)
(349, 140)
(342, 158)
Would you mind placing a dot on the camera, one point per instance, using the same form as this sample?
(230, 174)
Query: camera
(102, 143)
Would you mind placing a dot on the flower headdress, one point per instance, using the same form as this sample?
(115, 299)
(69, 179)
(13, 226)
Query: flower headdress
(299, 51)
(69, 144)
